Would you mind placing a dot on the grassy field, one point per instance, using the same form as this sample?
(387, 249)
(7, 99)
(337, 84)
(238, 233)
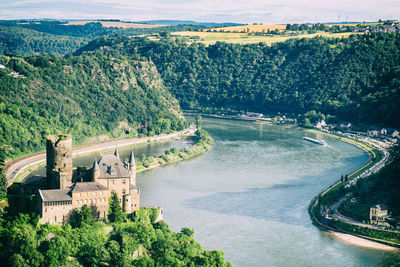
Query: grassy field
(209, 38)
(117, 24)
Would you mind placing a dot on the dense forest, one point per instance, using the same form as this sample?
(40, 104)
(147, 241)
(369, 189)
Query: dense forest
(23, 37)
(85, 96)
(21, 41)
(356, 79)
(121, 241)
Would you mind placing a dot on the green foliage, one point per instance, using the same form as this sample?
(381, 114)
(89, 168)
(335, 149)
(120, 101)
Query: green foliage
(115, 213)
(54, 37)
(356, 79)
(132, 243)
(82, 217)
(83, 96)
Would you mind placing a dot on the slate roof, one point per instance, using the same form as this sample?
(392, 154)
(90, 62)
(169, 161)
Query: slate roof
(132, 159)
(87, 187)
(55, 195)
(112, 167)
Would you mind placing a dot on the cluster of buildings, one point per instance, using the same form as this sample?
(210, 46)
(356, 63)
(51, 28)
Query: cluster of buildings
(65, 189)
(384, 134)
(388, 26)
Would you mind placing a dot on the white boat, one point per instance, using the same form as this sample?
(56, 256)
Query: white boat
(319, 142)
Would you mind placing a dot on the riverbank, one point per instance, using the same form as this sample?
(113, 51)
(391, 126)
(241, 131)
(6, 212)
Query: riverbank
(361, 242)
(323, 208)
(201, 145)
(19, 168)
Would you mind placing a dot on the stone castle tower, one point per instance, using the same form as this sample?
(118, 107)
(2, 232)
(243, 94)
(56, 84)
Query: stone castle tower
(59, 161)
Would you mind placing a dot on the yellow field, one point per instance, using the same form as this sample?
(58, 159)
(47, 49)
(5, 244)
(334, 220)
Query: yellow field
(118, 24)
(252, 28)
(209, 38)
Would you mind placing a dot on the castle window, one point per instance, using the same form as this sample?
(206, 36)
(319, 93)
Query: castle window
(123, 191)
(76, 202)
(85, 193)
(85, 201)
(81, 201)
(79, 194)
(94, 193)
(101, 192)
(112, 181)
(90, 201)
(103, 200)
(123, 182)
(98, 200)
(112, 192)
(94, 200)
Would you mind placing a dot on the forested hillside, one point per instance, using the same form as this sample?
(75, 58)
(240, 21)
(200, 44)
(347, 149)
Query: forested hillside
(85, 96)
(356, 78)
(23, 41)
(55, 37)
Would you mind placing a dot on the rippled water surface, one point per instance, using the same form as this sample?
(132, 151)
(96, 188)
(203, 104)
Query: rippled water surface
(249, 195)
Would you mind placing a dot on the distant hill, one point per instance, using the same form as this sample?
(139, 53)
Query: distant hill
(189, 22)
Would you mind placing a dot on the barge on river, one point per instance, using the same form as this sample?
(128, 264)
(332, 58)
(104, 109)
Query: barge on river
(319, 142)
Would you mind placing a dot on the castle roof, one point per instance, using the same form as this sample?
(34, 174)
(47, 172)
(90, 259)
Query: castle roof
(112, 167)
(87, 187)
(55, 195)
(132, 159)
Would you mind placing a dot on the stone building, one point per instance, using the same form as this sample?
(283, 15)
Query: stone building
(92, 187)
(379, 215)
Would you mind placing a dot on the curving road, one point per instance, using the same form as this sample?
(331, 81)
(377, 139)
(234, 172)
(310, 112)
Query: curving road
(15, 167)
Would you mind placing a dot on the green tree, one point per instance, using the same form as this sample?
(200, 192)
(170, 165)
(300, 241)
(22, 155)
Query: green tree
(115, 213)
(83, 217)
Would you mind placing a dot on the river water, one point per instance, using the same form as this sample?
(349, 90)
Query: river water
(249, 194)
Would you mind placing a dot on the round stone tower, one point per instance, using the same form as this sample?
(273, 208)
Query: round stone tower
(59, 161)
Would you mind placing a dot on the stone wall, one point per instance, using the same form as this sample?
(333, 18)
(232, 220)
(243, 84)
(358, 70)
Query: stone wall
(59, 161)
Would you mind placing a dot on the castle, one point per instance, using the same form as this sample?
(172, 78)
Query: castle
(68, 189)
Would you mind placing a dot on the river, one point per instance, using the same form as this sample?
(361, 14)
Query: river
(249, 194)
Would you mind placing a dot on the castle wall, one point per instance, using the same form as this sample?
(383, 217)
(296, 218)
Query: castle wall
(59, 161)
(118, 185)
(97, 200)
(55, 212)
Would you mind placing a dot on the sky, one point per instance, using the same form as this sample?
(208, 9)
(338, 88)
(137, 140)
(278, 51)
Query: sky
(239, 11)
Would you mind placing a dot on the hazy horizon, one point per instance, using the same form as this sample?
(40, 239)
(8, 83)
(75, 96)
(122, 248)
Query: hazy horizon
(251, 11)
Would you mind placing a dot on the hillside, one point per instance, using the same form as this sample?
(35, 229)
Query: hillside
(84, 96)
(24, 37)
(355, 79)
(22, 41)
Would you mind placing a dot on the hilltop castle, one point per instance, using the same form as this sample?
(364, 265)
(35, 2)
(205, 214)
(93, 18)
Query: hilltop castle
(68, 189)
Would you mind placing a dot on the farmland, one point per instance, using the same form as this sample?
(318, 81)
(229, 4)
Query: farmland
(209, 38)
(252, 28)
